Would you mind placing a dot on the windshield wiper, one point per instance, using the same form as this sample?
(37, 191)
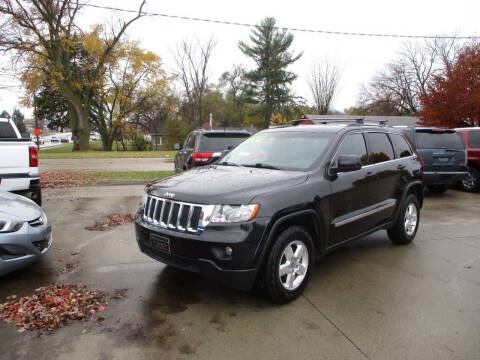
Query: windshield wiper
(263, 166)
(228, 163)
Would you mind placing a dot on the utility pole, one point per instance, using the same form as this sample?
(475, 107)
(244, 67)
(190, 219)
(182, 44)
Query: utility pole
(211, 121)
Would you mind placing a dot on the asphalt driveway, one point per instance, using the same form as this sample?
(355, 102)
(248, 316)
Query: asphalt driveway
(370, 300)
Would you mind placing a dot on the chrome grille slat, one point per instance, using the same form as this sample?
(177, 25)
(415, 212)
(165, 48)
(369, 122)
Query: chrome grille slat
(179, 216)
(190, 213)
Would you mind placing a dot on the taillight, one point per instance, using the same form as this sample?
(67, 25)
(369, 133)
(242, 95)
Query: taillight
(33, 156)
(202, 156)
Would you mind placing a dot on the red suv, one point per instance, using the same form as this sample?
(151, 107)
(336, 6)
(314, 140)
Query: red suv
(471, 139)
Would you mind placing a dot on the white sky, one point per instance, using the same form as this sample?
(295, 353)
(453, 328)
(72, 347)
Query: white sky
(359, 57)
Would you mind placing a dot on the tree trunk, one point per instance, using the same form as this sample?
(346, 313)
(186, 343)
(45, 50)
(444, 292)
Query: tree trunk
(81, 135)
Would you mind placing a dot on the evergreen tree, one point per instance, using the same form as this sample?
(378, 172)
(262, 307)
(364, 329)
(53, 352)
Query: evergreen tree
(18, 118)
(4, 114)
(268, 83)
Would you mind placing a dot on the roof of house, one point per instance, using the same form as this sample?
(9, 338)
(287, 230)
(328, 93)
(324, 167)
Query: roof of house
(391, 120)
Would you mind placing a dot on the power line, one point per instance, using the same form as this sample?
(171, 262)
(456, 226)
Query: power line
(327, 32)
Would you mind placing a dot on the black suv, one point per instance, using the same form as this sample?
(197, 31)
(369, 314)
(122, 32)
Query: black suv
(281, 199)
(203, 147)
(443, 153)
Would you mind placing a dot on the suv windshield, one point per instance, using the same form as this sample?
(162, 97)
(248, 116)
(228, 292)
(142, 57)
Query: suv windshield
(438, 140)
(283, 150)
(220, 142)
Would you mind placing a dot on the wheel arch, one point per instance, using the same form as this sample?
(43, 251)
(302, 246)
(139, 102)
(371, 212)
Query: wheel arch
(307, 219)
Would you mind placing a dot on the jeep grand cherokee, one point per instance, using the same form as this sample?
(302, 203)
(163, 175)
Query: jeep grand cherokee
(281, 199)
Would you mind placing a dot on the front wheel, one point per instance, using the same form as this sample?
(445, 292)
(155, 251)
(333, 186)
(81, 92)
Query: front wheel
(289, 265)
(405, 229)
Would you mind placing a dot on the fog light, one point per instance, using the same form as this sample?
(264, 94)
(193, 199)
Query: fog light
(228, 250)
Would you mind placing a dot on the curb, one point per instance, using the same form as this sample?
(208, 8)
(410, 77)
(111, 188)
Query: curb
(113, 182)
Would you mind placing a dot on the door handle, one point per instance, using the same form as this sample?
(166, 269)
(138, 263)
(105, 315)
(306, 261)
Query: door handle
(370, 174)
(401, 166)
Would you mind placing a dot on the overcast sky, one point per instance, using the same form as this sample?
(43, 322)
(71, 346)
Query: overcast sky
(358, 56)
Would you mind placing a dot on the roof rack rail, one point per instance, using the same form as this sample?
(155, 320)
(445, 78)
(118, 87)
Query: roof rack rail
(351, 120)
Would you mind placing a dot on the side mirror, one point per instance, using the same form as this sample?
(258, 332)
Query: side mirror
(25, 135)
(348, 163)
(177, 146)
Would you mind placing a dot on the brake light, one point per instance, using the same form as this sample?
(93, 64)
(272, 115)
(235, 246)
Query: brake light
(33, 154)
(202, 156)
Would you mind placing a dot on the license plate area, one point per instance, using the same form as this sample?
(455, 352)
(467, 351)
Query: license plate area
(160, 243)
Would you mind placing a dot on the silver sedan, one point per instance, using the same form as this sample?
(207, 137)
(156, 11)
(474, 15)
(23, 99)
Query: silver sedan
(25, 233)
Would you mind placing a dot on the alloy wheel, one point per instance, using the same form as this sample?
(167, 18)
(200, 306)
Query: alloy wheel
(411, 219)
(293, 265)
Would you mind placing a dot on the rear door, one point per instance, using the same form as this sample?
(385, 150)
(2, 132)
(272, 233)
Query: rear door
(441, 150)
(382, 159)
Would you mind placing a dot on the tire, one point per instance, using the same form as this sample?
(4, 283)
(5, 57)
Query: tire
(285, 288)
(472, 182)
(437, 189)
(405, 229)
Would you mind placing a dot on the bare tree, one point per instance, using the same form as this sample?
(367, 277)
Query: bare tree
(191, 60)
(404, 79)
(323, 82)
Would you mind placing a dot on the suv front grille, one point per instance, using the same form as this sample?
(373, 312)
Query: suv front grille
(173, 215)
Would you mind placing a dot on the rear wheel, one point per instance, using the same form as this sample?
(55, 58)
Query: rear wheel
(437, 189)
(472, 182)
(289, 265)
(405, 229)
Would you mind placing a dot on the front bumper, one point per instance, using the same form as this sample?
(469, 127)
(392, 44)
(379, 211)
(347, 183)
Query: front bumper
(24, 247)
(443, 177)
(206, 253)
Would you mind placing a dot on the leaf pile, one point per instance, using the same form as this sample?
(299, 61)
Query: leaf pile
(110, 221)
(60, 179)
(52, 306)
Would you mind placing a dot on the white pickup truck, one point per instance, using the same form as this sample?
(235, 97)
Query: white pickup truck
(18, 163)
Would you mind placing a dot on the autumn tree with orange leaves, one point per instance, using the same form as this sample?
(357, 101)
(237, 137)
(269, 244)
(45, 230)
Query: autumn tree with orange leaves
(453, 98)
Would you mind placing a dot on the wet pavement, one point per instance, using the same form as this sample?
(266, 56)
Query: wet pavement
(370, 300)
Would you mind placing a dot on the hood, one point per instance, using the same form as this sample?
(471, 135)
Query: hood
(224, 184)
(18, 208)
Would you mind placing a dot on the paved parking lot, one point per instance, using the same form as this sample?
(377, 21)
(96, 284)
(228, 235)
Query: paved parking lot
(370, 300)
(101, 164)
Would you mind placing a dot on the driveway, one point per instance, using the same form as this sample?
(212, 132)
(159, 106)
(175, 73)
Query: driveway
(370, 300)
(102, 164)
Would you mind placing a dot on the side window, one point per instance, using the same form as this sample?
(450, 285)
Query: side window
(401, 146)
(6, 131)
(353, 145)
(380, 149)
(190, 142)
(474, 139)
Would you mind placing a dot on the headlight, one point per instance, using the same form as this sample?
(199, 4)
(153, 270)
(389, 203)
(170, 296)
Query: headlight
(233, 213)
(9, 226)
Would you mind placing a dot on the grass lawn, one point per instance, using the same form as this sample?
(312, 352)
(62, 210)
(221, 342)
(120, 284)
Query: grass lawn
(65, 152)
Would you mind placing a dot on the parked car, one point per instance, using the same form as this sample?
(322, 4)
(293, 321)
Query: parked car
(39, 141)
(18, 162)
(203, 147)
(65, 139)
(54, 139)
(471, 139)
(281, 199)
(25, 233)
(443, 154)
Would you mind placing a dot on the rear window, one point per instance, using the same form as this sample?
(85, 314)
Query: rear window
(402, 149)
(474, 139)
(220, 142)
(6, 131)
(380, 148)
(438, 140)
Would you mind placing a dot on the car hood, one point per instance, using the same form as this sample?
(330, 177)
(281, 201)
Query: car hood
(223, 184)
(18, 208)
